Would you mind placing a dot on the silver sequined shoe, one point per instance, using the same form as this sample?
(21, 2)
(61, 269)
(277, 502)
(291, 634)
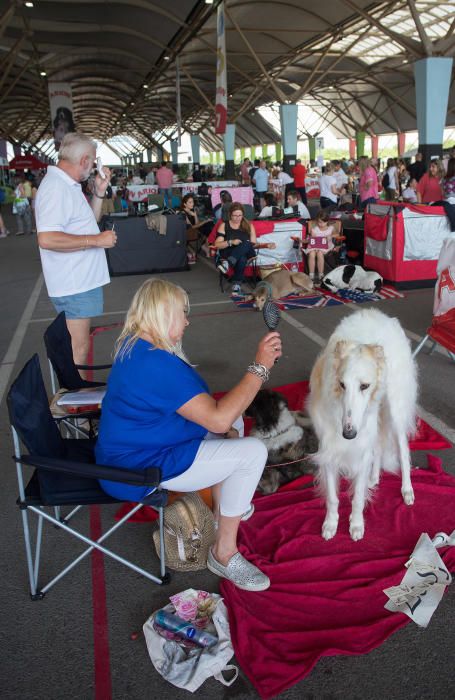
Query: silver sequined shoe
(238, 570)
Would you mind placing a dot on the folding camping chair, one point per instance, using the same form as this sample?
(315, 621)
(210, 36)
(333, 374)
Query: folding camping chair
(442, 329)
(66, 475)
(59, 350)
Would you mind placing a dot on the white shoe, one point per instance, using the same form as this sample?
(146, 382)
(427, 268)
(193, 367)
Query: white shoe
(223, 266)
(3, 235)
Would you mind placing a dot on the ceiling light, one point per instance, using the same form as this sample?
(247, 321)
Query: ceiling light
(28, 4)
(167, 58)
(209, 2)
(132, 103)
(145, 85)
(405, 60)
(43, 72)
(124, 114)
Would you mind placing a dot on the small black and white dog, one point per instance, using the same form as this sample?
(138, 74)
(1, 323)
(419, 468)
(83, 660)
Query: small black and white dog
(352, 277)
(288, 436)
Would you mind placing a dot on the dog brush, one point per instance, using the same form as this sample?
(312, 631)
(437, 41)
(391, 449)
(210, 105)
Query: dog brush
(271, 314)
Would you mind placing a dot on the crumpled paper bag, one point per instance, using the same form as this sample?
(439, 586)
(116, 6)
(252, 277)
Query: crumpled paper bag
(425, 581)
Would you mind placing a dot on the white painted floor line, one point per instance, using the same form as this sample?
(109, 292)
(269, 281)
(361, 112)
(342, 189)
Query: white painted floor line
(319, 340)
(9, 360)
(437, 424)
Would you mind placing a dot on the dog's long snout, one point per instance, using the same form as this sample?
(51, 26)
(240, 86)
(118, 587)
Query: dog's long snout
(349, 433)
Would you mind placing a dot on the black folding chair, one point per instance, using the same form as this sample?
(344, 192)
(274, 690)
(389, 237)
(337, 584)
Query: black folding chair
(57, 340)
(65, 474)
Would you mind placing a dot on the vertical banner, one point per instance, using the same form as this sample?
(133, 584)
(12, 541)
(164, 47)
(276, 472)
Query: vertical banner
(221, 74)
(61, 103)
(178, 104)
(3, 152)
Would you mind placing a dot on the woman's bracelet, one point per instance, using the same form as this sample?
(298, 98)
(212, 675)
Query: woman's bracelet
(259, 371)
(97, 195)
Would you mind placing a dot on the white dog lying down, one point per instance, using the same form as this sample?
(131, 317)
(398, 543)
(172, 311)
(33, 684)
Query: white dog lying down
(352, 277)
(362, 405)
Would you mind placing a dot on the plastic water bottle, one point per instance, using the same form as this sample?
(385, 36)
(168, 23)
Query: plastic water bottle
(184, 629)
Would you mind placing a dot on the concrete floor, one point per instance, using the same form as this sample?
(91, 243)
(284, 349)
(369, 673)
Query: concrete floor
(47, 646)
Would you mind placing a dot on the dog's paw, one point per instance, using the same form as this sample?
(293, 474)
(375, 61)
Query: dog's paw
(408, 496)
(357, 530)
(329, 529)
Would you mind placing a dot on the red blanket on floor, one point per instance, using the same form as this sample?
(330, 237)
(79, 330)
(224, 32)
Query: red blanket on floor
(327, 598)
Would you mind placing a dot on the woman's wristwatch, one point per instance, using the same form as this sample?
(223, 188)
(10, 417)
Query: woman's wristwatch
(258, 370)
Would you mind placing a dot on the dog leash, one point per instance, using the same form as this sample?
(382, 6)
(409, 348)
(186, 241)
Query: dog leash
(286, 464)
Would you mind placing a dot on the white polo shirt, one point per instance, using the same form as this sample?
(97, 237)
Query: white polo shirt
(61, 206)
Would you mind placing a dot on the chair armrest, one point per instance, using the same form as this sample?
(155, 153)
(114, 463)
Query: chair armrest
(151, 476)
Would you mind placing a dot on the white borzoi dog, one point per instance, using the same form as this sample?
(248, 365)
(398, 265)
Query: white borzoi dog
(362, 405)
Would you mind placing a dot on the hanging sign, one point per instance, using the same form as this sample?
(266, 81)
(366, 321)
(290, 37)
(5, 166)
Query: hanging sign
(61, 103)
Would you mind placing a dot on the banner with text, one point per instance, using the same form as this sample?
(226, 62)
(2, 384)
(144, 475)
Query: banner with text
(61, 103)
(221, 74)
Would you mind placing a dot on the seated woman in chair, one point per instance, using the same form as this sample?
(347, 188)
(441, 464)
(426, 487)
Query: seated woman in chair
(236, 242)
(320, 240)
(195, 229)
(158, 412)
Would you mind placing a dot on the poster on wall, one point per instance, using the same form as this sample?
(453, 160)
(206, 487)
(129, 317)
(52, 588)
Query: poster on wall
(221, 74)
(61, 103)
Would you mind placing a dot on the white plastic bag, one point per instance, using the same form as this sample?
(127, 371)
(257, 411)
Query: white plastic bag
(190, 668)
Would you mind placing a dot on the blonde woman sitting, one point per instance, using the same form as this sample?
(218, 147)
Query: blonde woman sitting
(158, 411)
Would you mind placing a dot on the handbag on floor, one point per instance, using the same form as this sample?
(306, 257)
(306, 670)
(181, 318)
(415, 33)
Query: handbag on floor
(189, 532)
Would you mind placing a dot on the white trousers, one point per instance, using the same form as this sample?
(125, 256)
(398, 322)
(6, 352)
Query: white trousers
(236, 463)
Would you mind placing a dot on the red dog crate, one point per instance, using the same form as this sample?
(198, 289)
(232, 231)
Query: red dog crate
(403, 241)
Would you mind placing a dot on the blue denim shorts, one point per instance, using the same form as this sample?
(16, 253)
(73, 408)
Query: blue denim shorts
(83, 305)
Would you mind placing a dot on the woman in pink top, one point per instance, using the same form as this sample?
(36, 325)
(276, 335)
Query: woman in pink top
(368, 184)
(429, 186)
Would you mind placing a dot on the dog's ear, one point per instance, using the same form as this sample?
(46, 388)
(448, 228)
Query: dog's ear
(348, 273)
(377, 351)
(343, 348)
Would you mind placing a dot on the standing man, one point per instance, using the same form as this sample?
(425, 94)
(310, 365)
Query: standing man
(164, 180)
(71, 245)
(417, 169)
(339, 174)
(261, 182)
(299, 174)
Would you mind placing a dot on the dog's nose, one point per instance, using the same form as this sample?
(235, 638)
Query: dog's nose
(349, 433)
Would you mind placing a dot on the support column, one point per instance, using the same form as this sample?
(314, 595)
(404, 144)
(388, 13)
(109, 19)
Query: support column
(432, 84)
(229, 148)
(278, 152)
(401, 141)
(175, 155)
(195, 148)
(242, 154)
(360, 143)
(288, 120)
(374, 146)
(352, 145)
(312, 147)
